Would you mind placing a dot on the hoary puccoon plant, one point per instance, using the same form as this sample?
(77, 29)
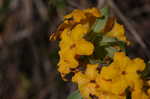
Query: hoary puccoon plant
(93, 56)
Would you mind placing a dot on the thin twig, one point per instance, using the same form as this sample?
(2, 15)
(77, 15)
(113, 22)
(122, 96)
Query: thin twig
(128, 25)
(43, 11)
(101, 3)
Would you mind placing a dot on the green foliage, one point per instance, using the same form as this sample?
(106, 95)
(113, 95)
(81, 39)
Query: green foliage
(107, 41)
(111, 51)
(104, 46)
(101, 22)
(146, 73)
(75, 95)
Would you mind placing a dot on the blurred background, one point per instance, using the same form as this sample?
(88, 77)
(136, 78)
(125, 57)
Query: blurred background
(28, 60)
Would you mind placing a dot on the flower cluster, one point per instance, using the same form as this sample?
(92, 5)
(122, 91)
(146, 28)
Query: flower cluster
(95, 60)
(113, 80)
(73, 44)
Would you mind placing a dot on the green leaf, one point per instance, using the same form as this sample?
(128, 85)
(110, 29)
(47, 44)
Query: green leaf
(146, 73)
(75, 95)
(107, 40)
(111, 51)
(110, 41)
(122, 44)
(101, 22)
(92, 37)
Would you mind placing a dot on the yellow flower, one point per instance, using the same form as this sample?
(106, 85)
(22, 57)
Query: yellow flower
(112, 74)
(139, 64)
(117, 32)
(68, 59)
(91, 71)
(119, 86)
(80, 78)
(86, 81)
(66, 41)
(120, 74)
(94, 11)
(148, 92)
(139, 94)
(90, 75)
(64, 69)
(72, 44)
(78, 15)
(107, 82)
(111, 96)
(88, 91)
(84, 47)
(148, 82)
(116, 87)
(79, 31)
(105, 85)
